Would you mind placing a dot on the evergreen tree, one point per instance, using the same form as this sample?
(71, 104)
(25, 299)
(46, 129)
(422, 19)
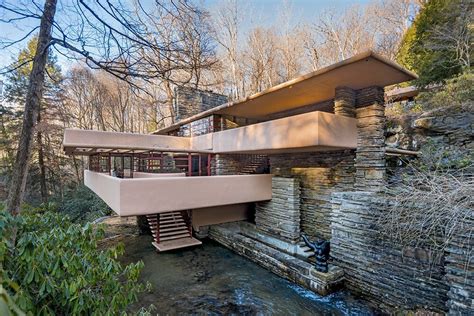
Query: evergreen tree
(438, 44)
(17, 79)
(16, 88)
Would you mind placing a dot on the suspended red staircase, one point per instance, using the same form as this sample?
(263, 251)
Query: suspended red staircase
(171, 230)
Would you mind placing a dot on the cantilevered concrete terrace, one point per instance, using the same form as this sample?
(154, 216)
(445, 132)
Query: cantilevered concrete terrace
(314, 131)
(158, 193)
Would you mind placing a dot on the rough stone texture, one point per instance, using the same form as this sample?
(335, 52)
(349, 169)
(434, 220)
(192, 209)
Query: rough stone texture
(190, 101)
(231, 164)
(451, 128)
(319, 174)
(381, 271)
(369, 96)
(225, 164)
(454, 129)
(280, 217)
(447, 130)
(278, 262)
(298, 250)
(460, 271)
(344, 102)
(370, 153)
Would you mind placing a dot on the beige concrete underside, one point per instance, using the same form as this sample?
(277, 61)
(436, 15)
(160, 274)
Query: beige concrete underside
(313, 131)
(141, 196)
(363, 70)
(220, 214)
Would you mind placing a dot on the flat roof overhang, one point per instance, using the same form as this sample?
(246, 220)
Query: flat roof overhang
(401, 94)
(360, 71)
(313, 131)
(89, 142)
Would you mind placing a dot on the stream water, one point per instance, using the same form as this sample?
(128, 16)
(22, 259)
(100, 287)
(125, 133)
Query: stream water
(212, 280)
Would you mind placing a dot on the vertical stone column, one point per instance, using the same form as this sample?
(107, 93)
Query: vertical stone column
(280, 217)
(344, 101)
(370, 152)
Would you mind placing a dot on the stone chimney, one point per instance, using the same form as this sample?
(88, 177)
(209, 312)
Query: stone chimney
(370, 153)
(190, 101)
(367, 106)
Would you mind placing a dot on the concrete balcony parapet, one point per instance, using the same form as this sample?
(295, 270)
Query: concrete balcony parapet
(159, 194)
(313, 131)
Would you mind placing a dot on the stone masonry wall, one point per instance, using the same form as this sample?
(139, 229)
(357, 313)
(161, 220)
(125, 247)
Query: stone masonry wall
(190, 101)
(460, 271)
(381, 271)
(225, 164)
(236, 236)
(370, 153)
(319, 174)
(233, 164)
(344, 102)
(280, 216)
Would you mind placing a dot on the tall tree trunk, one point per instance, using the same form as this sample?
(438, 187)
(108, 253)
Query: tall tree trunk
(76, 168)
(32, 107)
(170, 95)
(43, 189)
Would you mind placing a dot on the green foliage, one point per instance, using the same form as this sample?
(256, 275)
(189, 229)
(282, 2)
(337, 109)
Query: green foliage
(11, 118)
(399, 109)
(56, 267)
(18, 79)
(426, 48)
(81, 204)
(454, 93)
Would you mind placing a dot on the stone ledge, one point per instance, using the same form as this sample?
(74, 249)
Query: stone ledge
(278, 262)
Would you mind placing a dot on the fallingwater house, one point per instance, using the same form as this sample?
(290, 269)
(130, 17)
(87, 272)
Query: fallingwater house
(307, 156)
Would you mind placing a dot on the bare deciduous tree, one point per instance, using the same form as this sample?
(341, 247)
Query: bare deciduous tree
(107, 36)
(429, 208)
(227, 27)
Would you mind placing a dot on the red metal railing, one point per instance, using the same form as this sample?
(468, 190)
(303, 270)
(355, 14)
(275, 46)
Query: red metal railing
(155, 162)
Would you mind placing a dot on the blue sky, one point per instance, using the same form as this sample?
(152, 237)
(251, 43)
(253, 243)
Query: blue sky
(264, 13)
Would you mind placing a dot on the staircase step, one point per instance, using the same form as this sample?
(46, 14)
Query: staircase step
(178, 232)
(172, 225)
(164, 230)
(171, 217)
(168, 221)
(175, 237)
(170, 228)
(176, 244)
